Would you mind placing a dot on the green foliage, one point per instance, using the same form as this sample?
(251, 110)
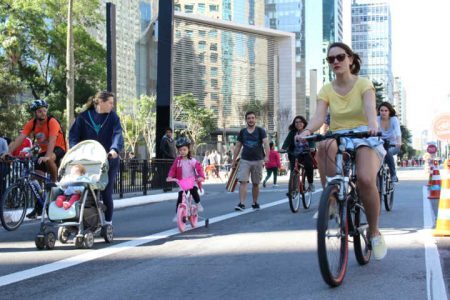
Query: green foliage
(138, 117)
(406, 150)
(379, 88)
(199, 122)
(33, 45)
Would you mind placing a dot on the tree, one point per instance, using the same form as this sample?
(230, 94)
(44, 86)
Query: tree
(33, 42)
(379, 88)
(199, 122)
(406, 150)
(138, 117)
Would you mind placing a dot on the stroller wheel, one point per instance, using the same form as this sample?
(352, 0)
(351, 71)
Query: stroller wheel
(49, 240)
(107, 233)
(39, 241)
(79, 242)
(88, 240)
(63, 235)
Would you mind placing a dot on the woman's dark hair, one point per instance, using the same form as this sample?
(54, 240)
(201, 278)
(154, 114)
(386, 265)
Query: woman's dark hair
(301, 118)
(392, 112)
(356, 65)
(100, 96)
(271, 145)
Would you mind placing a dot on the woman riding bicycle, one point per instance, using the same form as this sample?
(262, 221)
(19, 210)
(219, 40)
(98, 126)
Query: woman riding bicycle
(390, 128)
(300, 149)
(350, 100)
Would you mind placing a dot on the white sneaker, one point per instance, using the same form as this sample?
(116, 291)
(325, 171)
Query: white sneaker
(275, 185)
(379, 248)
(199, 207)
(175, 218)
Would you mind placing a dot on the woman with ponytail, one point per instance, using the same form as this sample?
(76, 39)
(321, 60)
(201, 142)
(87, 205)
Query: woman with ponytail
(99, 122)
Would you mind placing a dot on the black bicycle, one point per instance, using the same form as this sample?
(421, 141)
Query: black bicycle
(19, 195)
(297, 189)
(386, 186)
(341, 214)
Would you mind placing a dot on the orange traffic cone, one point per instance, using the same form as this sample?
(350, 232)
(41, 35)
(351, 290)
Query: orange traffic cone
(435, 185)
(443, 216)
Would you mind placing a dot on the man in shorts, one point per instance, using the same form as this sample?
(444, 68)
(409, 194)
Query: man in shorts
(255, 152)
(48, 135)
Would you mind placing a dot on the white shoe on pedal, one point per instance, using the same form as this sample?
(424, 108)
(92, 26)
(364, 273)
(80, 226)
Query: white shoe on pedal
(379, 248)
(199, 207)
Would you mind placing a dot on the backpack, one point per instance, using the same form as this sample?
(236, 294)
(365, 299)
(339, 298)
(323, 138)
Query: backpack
(49, 117)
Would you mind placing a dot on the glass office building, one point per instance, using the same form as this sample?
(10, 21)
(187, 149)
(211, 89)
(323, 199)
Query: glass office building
(228, 70)
(372, 40)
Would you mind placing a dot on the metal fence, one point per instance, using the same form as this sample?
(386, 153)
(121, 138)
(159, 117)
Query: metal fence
(135, 176)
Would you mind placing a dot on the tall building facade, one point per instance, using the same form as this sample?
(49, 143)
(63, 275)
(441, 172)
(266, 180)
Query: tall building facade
(133, 18)
(228, 60)
(304, 19)
(400, 100)
(333, 31)
(372, 40)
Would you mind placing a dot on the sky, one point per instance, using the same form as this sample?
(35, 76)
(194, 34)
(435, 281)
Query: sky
(421, 58)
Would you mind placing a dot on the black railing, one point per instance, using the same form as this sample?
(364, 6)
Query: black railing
(135, 176)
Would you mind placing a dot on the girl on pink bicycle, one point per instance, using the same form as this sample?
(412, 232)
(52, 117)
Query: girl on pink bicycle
(186, 166)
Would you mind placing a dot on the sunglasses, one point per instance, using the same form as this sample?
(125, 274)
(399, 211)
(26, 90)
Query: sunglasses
(339, 57)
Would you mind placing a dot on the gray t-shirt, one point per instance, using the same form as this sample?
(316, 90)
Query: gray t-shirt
(252, 145)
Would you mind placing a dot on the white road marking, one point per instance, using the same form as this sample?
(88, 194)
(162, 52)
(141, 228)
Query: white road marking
(435, 280)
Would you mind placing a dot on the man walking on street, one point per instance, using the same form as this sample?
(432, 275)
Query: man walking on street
(255, 150)
(168, 149)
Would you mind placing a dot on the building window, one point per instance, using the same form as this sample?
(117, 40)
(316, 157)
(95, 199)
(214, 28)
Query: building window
(213, 57)
(201, 7)
(201, 45)
(213, 47)
(189, 8)
(214, 83)
(214, 7)
(213, 72)
(212, 33)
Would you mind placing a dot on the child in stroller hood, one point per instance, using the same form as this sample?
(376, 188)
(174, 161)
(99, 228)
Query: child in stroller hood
(72, 193)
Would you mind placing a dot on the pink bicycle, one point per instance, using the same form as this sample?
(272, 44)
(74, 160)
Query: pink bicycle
(187, 210)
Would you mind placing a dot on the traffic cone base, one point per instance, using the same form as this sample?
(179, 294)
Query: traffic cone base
(443, 216)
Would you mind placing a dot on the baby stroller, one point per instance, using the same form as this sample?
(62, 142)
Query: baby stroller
(85, 218)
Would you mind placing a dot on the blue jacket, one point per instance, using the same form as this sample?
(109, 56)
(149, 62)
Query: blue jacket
(109, 135)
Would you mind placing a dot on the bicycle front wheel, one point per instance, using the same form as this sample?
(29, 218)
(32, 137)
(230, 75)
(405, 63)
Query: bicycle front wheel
(332, 236)
(306, 193)
(294, 192)
(389, 195)
(181, 217)
(13, 206)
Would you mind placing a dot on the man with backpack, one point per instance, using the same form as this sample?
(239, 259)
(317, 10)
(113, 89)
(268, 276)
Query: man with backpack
(255, 151)
(46, 132)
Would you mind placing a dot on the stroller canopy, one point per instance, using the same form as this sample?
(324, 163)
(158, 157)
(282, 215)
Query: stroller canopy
(93, 157)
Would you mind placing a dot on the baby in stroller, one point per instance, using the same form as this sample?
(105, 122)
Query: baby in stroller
(72, 193)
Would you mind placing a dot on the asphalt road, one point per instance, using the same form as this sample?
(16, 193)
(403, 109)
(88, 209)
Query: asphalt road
(265, 254)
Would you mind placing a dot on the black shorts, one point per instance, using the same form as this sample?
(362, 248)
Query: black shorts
(59, 153)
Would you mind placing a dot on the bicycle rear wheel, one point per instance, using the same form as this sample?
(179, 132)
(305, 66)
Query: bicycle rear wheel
(181, 217)
(389, 195)
(332, 237)
(361, 243)
(13, 206)
(294, 192)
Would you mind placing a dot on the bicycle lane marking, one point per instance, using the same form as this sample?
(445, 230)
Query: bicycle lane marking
(435, 279)
(92, 255)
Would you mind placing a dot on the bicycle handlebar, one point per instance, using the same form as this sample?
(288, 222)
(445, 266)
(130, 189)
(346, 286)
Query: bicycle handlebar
(350, 134)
